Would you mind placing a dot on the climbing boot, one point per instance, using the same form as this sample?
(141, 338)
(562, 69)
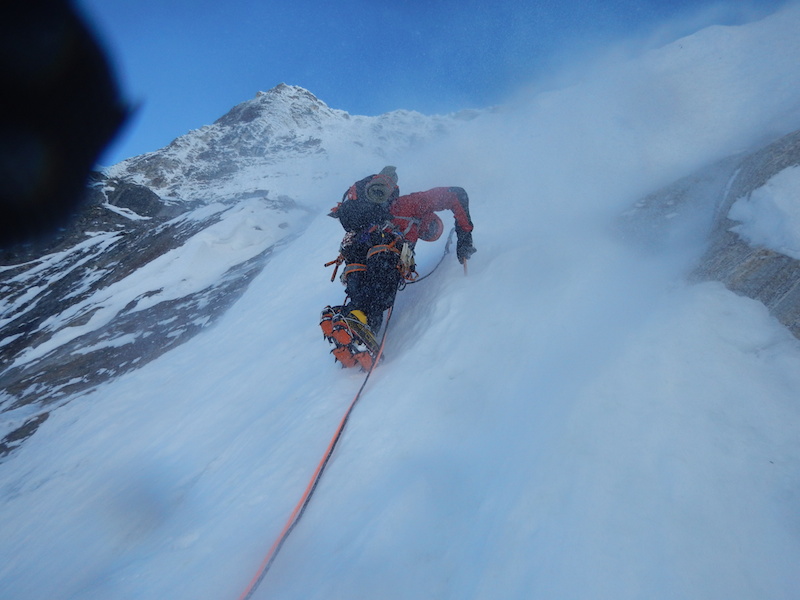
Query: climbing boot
(355, 344)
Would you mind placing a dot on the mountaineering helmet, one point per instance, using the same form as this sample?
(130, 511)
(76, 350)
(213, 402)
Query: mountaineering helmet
(382, 188)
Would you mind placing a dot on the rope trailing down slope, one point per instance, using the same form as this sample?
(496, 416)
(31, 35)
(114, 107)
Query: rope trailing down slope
(300, 508)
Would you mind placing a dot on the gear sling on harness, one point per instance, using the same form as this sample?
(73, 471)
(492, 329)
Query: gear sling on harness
(405, 265)
(378, 261)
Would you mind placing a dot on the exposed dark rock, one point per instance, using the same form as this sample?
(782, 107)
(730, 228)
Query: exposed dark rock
(122, 228)
(759, 273)
(138, 198)
(22, 433)
(89, 360)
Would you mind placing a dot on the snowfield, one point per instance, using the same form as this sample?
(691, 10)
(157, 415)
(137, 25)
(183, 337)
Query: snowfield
(569, 420)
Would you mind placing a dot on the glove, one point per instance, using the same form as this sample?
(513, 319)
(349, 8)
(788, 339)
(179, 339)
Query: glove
(464, 247)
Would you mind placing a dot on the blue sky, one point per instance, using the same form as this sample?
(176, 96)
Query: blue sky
(185, 63)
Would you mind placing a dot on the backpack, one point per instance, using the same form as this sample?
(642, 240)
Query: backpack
(355, 212)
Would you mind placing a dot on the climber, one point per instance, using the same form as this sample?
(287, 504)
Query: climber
(382, 227)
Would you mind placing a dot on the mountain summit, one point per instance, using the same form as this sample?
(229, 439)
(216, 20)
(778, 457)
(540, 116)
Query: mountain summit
(271, 133)
(294, 107)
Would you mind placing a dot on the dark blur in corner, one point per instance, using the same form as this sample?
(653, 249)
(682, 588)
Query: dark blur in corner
(60, 108)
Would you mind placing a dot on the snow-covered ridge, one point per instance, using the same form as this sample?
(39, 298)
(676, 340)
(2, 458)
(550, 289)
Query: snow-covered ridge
(265, 135)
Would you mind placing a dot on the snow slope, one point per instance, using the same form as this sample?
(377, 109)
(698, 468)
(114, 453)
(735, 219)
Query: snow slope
(571, 420)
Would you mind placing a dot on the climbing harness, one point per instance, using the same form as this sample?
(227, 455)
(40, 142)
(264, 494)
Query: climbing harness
(405, 263)
(377, 249)
(352, 268)
(300, 508)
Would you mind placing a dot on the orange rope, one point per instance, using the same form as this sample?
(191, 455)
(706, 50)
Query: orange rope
(312, 484)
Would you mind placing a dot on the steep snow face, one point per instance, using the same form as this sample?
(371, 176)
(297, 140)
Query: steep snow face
(570, 420)
(142, 272)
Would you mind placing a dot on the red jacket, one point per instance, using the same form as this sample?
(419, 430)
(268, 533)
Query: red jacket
(414, 213)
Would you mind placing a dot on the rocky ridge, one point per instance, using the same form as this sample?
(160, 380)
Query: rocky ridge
(760, 273)
(260, 140)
